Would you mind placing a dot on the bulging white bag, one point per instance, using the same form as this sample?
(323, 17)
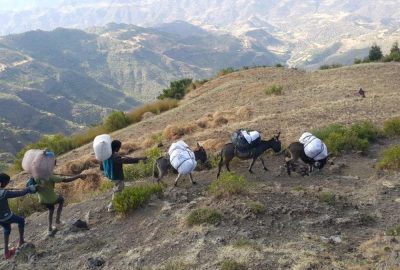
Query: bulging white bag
(182, 158)
(313, 147)
(102, 147)
(39, 163)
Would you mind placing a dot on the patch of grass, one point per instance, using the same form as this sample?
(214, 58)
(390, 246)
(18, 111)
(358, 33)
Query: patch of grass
(225, 71)
(243, 243)
(142, 169)
(176, 266)
(204, 215)
(279, 65)
(214, 160)
(298, 189)
(105, 186)
(327, 197)
(256, 207)
(228, 184)
(367, 219)
(394, 231)
(274, 90)
(232, 265)
(154, 107)
(391, 127)
(390, 159)
(340, 138)
(134, 197)
(332, 66)
(26, 205)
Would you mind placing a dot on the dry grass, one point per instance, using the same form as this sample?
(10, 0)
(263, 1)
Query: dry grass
(156, 108)
(129, 147)
(244, 113)
(213, 145)
(173, 132)
(79, 165)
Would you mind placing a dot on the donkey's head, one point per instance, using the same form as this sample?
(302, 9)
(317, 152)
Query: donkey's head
(201, 154)
(276, 143)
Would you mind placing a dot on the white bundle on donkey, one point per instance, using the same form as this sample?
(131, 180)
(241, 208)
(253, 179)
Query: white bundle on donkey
(39, 163)
(313, 147)
(182, 158)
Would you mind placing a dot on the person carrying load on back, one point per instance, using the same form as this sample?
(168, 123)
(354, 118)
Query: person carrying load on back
(315, 150)
(113, 168)
(7, 217)
(245, 140)
(40, 164)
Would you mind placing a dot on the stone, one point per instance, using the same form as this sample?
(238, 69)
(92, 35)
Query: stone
(95, 262)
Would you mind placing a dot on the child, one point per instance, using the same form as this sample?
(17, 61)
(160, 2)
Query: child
(7, 217)
(113, 170)
(49, 198)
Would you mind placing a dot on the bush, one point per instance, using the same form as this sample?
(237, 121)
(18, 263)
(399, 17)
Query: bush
(176, 90)
(391, 127)
(274, 90)
(225, 71)
(256, 207)
(390, 159)
(394, 231)
(116, 120)
(323, 67)
(357, 61)
(339, 138)
(375, 53)
(327, 197)
(228, 184)
(134, 197)
(26, 205)
(232, 265)
(140, 170)
(279, 65)
(155, 107)
(204, 215)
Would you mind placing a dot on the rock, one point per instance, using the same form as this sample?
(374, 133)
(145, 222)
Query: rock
(336, 239)
(95, 262)
(25, 253)
(78, 226)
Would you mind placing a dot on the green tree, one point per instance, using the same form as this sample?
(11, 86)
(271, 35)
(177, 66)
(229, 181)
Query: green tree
(116, 120)
(375, 53)
(395, 48)
(176, 89)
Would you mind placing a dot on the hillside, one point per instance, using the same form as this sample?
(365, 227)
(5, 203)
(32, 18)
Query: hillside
(297, 229)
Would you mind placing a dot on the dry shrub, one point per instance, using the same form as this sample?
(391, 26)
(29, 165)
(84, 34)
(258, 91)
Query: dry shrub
(129, 147)
(155, 108)
(204, 122)
(147, 115)
(79, 165)
(172, 132)
(219, 121)
(244, 112)
(213, 145)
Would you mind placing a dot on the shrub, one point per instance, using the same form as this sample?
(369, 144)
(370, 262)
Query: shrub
(134, 197)
(176, 90)
(366, 130)
(225, 71)
(26, 205)
(391, 127)
(116, 120)
(324, 67)
(242, 243)
(228, 184)
(140, 170)
(204, 215)
(155, 107)
(375, 53)
(327, 197)
(105, 186)
(394, 231)
(232, 265)
(390, 159)
(213, 160)
(256, 207)
(274, 90)
(357, 61)
(279, 65)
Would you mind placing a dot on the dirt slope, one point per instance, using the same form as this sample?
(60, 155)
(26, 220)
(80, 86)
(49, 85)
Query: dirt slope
(294, 230)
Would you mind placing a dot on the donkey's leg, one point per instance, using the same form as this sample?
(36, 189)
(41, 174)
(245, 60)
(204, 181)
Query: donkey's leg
(288, 167)
(251, 165)
(262, 161)
(220, 164)
(176, 180)
(191, 179)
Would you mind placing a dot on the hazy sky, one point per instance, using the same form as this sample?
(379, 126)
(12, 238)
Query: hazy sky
(26, 4)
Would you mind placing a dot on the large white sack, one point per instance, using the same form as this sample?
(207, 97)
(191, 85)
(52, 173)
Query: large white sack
(182, 158)
(39, 163)
(102, 147)
(313, 147)
(254, 135)
(247, 136)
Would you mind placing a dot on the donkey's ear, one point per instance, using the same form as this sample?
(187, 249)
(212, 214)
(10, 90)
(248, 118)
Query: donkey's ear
(279, 134)
(198, 145)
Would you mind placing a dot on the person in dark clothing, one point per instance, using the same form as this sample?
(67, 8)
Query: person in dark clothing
(7, 217)
(113, 168)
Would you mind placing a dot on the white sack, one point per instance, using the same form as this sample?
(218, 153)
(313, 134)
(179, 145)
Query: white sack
(182, 158)
(102, 147)
(254, 135)
(313, 147)
(246, 135)
(39, 164)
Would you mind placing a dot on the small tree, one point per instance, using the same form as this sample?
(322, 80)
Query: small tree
(395, 48)
(176, 90)
(375, 53)
(116, 120)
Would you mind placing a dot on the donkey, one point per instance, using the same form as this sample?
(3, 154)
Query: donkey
(294, 152)
(229, 151)
(163, 165)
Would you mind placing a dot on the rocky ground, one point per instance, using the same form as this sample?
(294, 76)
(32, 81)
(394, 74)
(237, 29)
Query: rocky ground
(299, 228)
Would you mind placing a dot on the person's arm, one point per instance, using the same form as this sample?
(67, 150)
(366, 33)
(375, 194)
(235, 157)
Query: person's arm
(129, 160)
(73, 178)
(19, 193)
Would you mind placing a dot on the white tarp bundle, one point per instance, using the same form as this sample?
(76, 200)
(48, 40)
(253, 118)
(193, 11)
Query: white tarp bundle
(102, 147)
(250, 136)
(182, 158)
(313, 147)
(39, 163)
